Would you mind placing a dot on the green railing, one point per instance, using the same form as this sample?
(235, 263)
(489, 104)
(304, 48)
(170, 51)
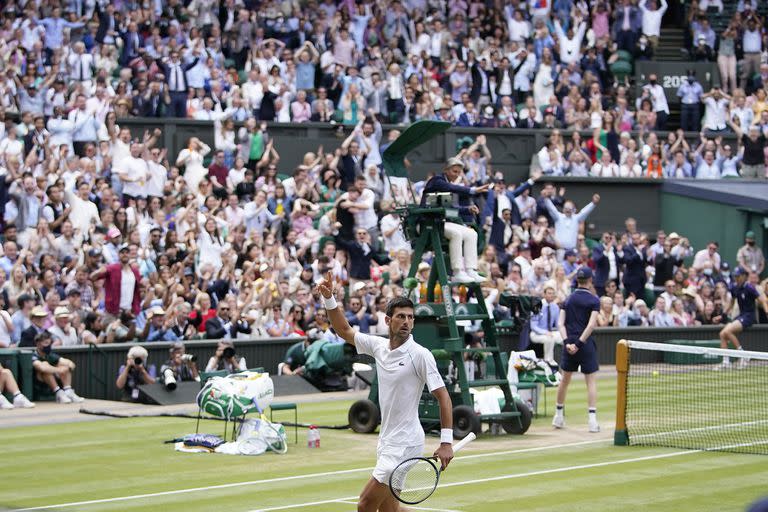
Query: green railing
(98, 365)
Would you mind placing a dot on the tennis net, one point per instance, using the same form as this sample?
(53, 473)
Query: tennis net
(687, 397)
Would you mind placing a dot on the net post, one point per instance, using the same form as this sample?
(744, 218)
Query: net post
(620, 436)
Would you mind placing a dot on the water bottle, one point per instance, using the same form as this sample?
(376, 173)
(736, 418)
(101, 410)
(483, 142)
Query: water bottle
(313, 437)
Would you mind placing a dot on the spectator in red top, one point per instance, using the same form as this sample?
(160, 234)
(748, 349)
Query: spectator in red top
(218, 170)
(202, 312)
(121, 285)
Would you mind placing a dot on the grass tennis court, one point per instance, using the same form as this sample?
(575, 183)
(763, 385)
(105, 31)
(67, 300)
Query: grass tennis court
(122, 464)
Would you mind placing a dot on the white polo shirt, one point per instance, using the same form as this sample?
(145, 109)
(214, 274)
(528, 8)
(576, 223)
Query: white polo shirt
(134, 169)
(402, 374)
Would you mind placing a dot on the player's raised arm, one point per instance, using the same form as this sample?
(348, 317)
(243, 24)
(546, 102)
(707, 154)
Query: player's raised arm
(339, 322)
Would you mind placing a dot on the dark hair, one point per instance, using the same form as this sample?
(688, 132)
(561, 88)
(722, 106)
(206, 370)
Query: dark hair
(398, 302)
(23, 298)
(42, 336)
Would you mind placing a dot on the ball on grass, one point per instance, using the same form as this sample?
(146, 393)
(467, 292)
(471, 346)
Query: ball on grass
(655, 373)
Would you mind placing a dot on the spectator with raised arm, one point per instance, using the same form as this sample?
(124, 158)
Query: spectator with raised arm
(567, 222)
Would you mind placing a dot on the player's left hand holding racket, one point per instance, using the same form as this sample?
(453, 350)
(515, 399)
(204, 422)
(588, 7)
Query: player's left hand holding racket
(414, 480)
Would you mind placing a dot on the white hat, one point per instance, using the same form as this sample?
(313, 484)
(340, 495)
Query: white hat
(156, 311)
(61, 311)
(138, 351)
(454, 161)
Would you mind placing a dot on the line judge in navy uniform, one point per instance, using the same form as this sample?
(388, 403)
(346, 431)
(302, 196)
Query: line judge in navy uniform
(747, 296)
(578, 318)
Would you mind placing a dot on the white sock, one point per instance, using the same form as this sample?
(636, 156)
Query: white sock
(592, 413)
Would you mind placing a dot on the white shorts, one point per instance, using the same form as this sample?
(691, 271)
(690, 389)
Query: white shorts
(388, 457)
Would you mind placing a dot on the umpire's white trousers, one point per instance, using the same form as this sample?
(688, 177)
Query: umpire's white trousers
(548, 340)
(459, 237)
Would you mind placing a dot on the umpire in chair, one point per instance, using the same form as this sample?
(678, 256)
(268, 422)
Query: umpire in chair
(462, 239)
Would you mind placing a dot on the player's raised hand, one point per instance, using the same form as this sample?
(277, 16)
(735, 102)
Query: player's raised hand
(326, 287)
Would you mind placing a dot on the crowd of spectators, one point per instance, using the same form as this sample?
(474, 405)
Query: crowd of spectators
(70, 71)
(107, 238)
(88, 259)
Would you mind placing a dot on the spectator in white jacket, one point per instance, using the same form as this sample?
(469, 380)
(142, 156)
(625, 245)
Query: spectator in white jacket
(519, 27)
(84, 211)
(570, 42)
(60, 129)
(652, 15)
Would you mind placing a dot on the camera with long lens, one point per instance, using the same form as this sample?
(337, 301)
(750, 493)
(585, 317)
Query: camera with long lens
(138, 361)
(188, 358)
(169, 379)
(228, 353)
(521, 308)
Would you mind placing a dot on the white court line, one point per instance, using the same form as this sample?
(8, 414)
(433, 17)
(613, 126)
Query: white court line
(699, 429)
(410, 507)
(296, 477)
(505, 477)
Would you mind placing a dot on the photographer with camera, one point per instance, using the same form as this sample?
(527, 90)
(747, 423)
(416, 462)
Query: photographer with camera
(134, 373)
(181, 367)
(225, 358)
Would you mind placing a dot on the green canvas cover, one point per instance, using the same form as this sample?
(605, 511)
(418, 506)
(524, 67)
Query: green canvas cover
(414, 136)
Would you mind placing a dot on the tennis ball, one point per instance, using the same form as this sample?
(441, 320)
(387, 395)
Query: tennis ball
(655, 373)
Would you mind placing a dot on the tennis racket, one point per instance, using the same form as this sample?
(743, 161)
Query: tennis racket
(414, 480)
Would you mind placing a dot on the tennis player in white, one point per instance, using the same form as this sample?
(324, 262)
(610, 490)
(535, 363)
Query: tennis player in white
(403, 367)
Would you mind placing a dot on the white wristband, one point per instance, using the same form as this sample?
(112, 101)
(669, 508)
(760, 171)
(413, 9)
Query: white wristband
(330, 303)
(446, 435)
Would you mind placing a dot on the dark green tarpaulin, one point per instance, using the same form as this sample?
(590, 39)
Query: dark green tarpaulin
(414, 136)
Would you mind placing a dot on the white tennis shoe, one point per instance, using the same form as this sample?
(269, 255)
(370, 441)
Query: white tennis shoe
(725, 365)
(459, 276)
(62, 398)
(23, 402)
(477, 278)
(74, 397)
(4, 403)
(594, 426)
(558, 421)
